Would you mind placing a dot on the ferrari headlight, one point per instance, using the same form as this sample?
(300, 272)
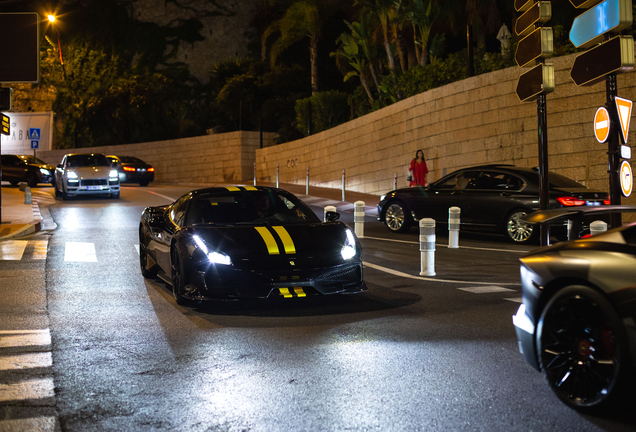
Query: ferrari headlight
(114, 174)
(71, 175)
(382, 198)
(45, 171)
(349, 249)
(213, 257)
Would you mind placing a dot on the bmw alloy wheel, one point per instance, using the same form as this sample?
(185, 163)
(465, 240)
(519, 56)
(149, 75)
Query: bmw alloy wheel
(517, 230)
(396, 218)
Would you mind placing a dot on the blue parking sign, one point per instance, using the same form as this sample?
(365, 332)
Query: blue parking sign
(35, 144)
(34, 134)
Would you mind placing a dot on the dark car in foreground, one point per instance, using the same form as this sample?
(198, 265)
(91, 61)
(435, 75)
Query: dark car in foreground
(230, 243)
(26, 168)
(492, 199)
(132, 169)
(86, 174)
(577, 322)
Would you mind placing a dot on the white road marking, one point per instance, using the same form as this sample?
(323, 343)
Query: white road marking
(158, 194)
(406, 275)
(31, 389)
(26, 361)
(12, 250)
(443, 244)
(80, 252)
(40, 424)
(137, 248)
(40, 248)
(485, 289)
(23, 338)
(515, 299)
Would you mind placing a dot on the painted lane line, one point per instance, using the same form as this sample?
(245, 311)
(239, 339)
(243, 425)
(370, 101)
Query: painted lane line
(40, 424)
(158, 194)
(445, 245)
(486, 289)
(20, 338)
(80, 252)
(27, 390)
(515, 299)
(26, 361)
(12, 250)
(408, 276)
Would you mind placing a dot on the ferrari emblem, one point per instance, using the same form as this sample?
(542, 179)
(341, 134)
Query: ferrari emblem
(292, 263)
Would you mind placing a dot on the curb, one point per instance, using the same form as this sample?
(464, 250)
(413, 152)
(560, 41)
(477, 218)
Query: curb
(28, 228)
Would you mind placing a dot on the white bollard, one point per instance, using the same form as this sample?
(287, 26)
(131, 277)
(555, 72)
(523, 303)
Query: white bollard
(358, 218)
(307, 183)
(598, 227)
(395, 181)
(277, 173)
(343, 185)
(254, 173)
(453, 227)
(27, 195)
(328, 209)
(427, 246)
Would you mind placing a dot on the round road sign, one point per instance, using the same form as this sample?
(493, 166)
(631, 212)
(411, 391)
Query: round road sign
(627, 182)
(601, 124)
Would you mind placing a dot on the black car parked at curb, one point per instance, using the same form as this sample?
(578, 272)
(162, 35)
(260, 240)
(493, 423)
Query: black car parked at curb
(132, 169)
(26, 168)
(492, 199)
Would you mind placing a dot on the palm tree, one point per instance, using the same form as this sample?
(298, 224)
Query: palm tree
(349, 51)
(422, 15)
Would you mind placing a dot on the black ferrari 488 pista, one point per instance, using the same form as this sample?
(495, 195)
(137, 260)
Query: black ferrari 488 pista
(232, 243)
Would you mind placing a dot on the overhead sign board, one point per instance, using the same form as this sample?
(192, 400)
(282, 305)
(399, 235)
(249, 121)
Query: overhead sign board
(6, 125)
(609, 16)
(627, 180)
(624, 110)
(613, 56)
(20, 50)
(601, 124)
(538, 44)
(538, 13)
(538, 80)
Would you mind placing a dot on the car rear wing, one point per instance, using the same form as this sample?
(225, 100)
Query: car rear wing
(575, 215)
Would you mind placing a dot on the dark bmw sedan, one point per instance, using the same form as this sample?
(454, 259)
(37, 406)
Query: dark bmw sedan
(492, 199)
(26, 168)
(132, 169)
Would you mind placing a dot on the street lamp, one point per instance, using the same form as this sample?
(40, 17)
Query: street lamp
(59, 44)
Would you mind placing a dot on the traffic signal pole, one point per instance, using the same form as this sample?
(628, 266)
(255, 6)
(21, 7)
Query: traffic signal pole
(613, 152)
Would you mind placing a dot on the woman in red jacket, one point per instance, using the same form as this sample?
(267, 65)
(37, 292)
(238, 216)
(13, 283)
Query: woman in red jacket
(418, 170)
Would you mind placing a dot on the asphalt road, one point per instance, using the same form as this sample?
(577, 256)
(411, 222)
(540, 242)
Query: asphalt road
(413, 353)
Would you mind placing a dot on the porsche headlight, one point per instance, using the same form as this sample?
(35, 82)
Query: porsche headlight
(71, 175)
(114, 174)
(349, 249)
(45, 171)
(213, 257)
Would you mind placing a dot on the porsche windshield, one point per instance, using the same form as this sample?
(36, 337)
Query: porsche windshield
(249, 207)
(87, 161)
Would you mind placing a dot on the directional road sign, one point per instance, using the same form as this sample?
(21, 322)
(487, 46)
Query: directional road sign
(523, 5)
(624, 109)
(584, 4)
(609, 16)
(538, 13)
(538, 44)
(601, 124)
(613, 56)
(6, 126)
(538, 80)
(626, 177)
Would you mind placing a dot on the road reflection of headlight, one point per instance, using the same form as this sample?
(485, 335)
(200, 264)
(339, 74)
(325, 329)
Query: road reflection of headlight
(349, 249)
(213, 257)
(45, 171)
(71, 175)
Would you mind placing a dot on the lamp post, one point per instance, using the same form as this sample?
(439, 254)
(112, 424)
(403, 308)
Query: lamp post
(59, 44)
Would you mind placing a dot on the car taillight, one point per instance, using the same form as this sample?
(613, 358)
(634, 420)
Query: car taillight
(607, 202)
(151, 169)
(571, 201)
(127, 168)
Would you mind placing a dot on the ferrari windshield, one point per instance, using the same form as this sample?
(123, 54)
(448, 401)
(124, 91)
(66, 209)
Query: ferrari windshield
(259, 207)
(87, 160)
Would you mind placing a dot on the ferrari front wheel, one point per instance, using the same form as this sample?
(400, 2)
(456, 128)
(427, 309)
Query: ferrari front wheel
(582, 349)
(143, 257)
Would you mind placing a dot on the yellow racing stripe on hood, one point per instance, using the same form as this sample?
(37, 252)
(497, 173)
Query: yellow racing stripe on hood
(290, 248)
(268, 238)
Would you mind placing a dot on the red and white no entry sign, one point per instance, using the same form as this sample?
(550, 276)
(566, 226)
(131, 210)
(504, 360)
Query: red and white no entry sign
(601, 124)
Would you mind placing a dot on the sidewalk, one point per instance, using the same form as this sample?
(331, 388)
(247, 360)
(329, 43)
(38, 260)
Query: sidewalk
(18, 219)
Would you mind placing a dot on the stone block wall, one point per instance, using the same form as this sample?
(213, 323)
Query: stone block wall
(475, 121)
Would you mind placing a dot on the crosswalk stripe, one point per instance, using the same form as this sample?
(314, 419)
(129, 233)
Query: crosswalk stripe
(38, 388)
(41, 424)
(40, 248)
(80, 252)
(18, 338)
(26, 361)
(12, 250)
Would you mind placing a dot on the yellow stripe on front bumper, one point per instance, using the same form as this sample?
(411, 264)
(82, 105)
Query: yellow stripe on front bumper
(268, 238)
(232, 188)
(285, 292)
(300, 292)
(286, 239)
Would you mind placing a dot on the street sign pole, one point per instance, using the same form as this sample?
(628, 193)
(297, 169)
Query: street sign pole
(544, 189)
(613, 149)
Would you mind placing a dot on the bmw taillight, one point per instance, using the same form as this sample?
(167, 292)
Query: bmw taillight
(151, 169)
(571, 201)
(607, 202)
(127, 168)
